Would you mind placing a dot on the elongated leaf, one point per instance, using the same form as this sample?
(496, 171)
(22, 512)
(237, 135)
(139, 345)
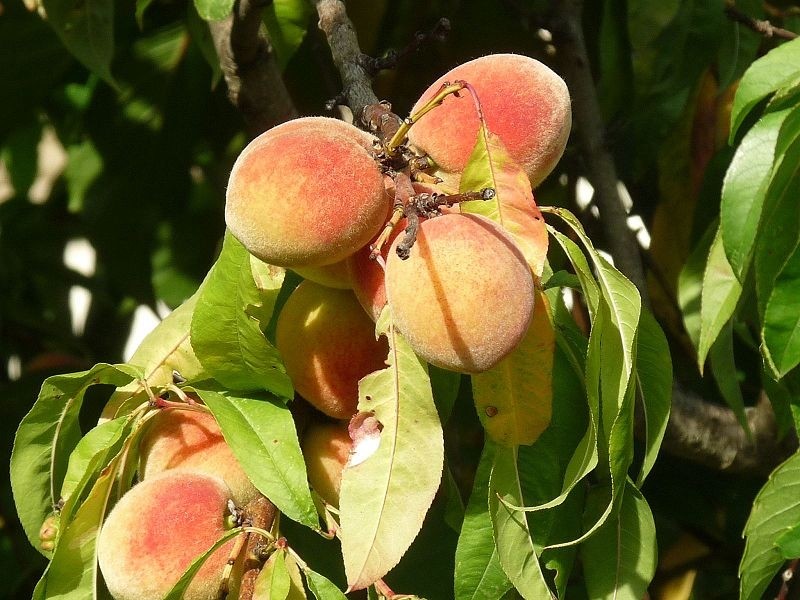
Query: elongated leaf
(721, 292)
(514, 399)
(584, 274)
(164, 350)
(263, 438)
(723, 368)
(179, 589)
(45, 438)
(445, 385)
(478, 571)
(321, 586)
(789, 543)
(744, 190)
(690, 284)
(619, 560)
(86, 27)
(513, 207)
(214, 10)
(73, 571)
(776, 510)
(766, 75)
(287, 22)
(274, 581)
(654, 379)
(93, 452)
(384, 498)
(782, 320)
(234, 305)
(515, 548)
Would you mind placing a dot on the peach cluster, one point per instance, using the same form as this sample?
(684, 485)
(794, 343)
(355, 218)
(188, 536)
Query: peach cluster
(179, 509)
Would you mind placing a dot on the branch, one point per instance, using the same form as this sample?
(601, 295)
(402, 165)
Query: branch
(255, 85)
(341, 36)
(700, 431)
(764, 28)
(568, 37)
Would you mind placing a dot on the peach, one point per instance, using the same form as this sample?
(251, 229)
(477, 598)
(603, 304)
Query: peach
(523, 101)
(367, 276)
(184, 440)
(464, 297)
(306, 194)
(155, 532)
(326, 448)
(335, 275)
(328, 343)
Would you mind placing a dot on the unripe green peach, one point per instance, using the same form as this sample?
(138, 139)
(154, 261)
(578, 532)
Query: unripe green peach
(326, 448)
(523, 102)
(464, 297)
(187, 440)
(328, 343)
(304, 194)
(155, 532)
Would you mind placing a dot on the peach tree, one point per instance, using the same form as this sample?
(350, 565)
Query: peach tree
(408, 355)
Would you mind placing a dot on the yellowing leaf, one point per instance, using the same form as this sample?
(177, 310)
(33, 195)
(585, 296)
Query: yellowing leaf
(385, 497)
(513, 207)
(514, 399)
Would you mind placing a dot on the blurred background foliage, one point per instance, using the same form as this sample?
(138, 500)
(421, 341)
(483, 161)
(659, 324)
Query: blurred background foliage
(130, 175)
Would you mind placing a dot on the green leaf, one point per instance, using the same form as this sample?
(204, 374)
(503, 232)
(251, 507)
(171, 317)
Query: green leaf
(445, 385)
(84, 166)
(690, 284)
(201, 35)
(179, 589)
(287, 22)
(141, 6)
(591, 290)
(723, 368)
(766, 75)
(514, 398)
(45, 438)
(86, 28)
(164, 350)
(513, 207)
(95, 450)
(73, 571)
(619, 560)
(235, 303)
(214, 10)
(273, 582)
(776, 510)
(781, 319)
(321, 586)
(515, 548)
(744, 190)
(263, 438)
(654, 379)
(789, 543)
(386, 494)
(721, 292)
(478, 572)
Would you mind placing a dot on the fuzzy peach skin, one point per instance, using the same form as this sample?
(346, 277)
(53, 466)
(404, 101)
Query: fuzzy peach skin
(367, 276)
(523, 101)
(326, 448)
(155, 532)
(183, 440)
(328, 343)
(464, 297)
(305, 195)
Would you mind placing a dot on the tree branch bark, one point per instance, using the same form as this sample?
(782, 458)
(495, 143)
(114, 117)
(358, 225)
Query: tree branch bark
(341, 36)
(764, 28)
(702, 432)
(255, 84)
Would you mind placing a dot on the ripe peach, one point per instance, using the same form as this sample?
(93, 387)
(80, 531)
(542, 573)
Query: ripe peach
(335, 275)
(523, 102)
(326, 448)
(155, 532)
(306, 194)
(185, 440)
(464, 297)
(328, 343)
(367, 276)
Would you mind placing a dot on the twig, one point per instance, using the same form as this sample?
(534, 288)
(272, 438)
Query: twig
(255, 85)
(702, 432)
(390, 60)
(259, 513)
(341, 36)
(761, 27)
